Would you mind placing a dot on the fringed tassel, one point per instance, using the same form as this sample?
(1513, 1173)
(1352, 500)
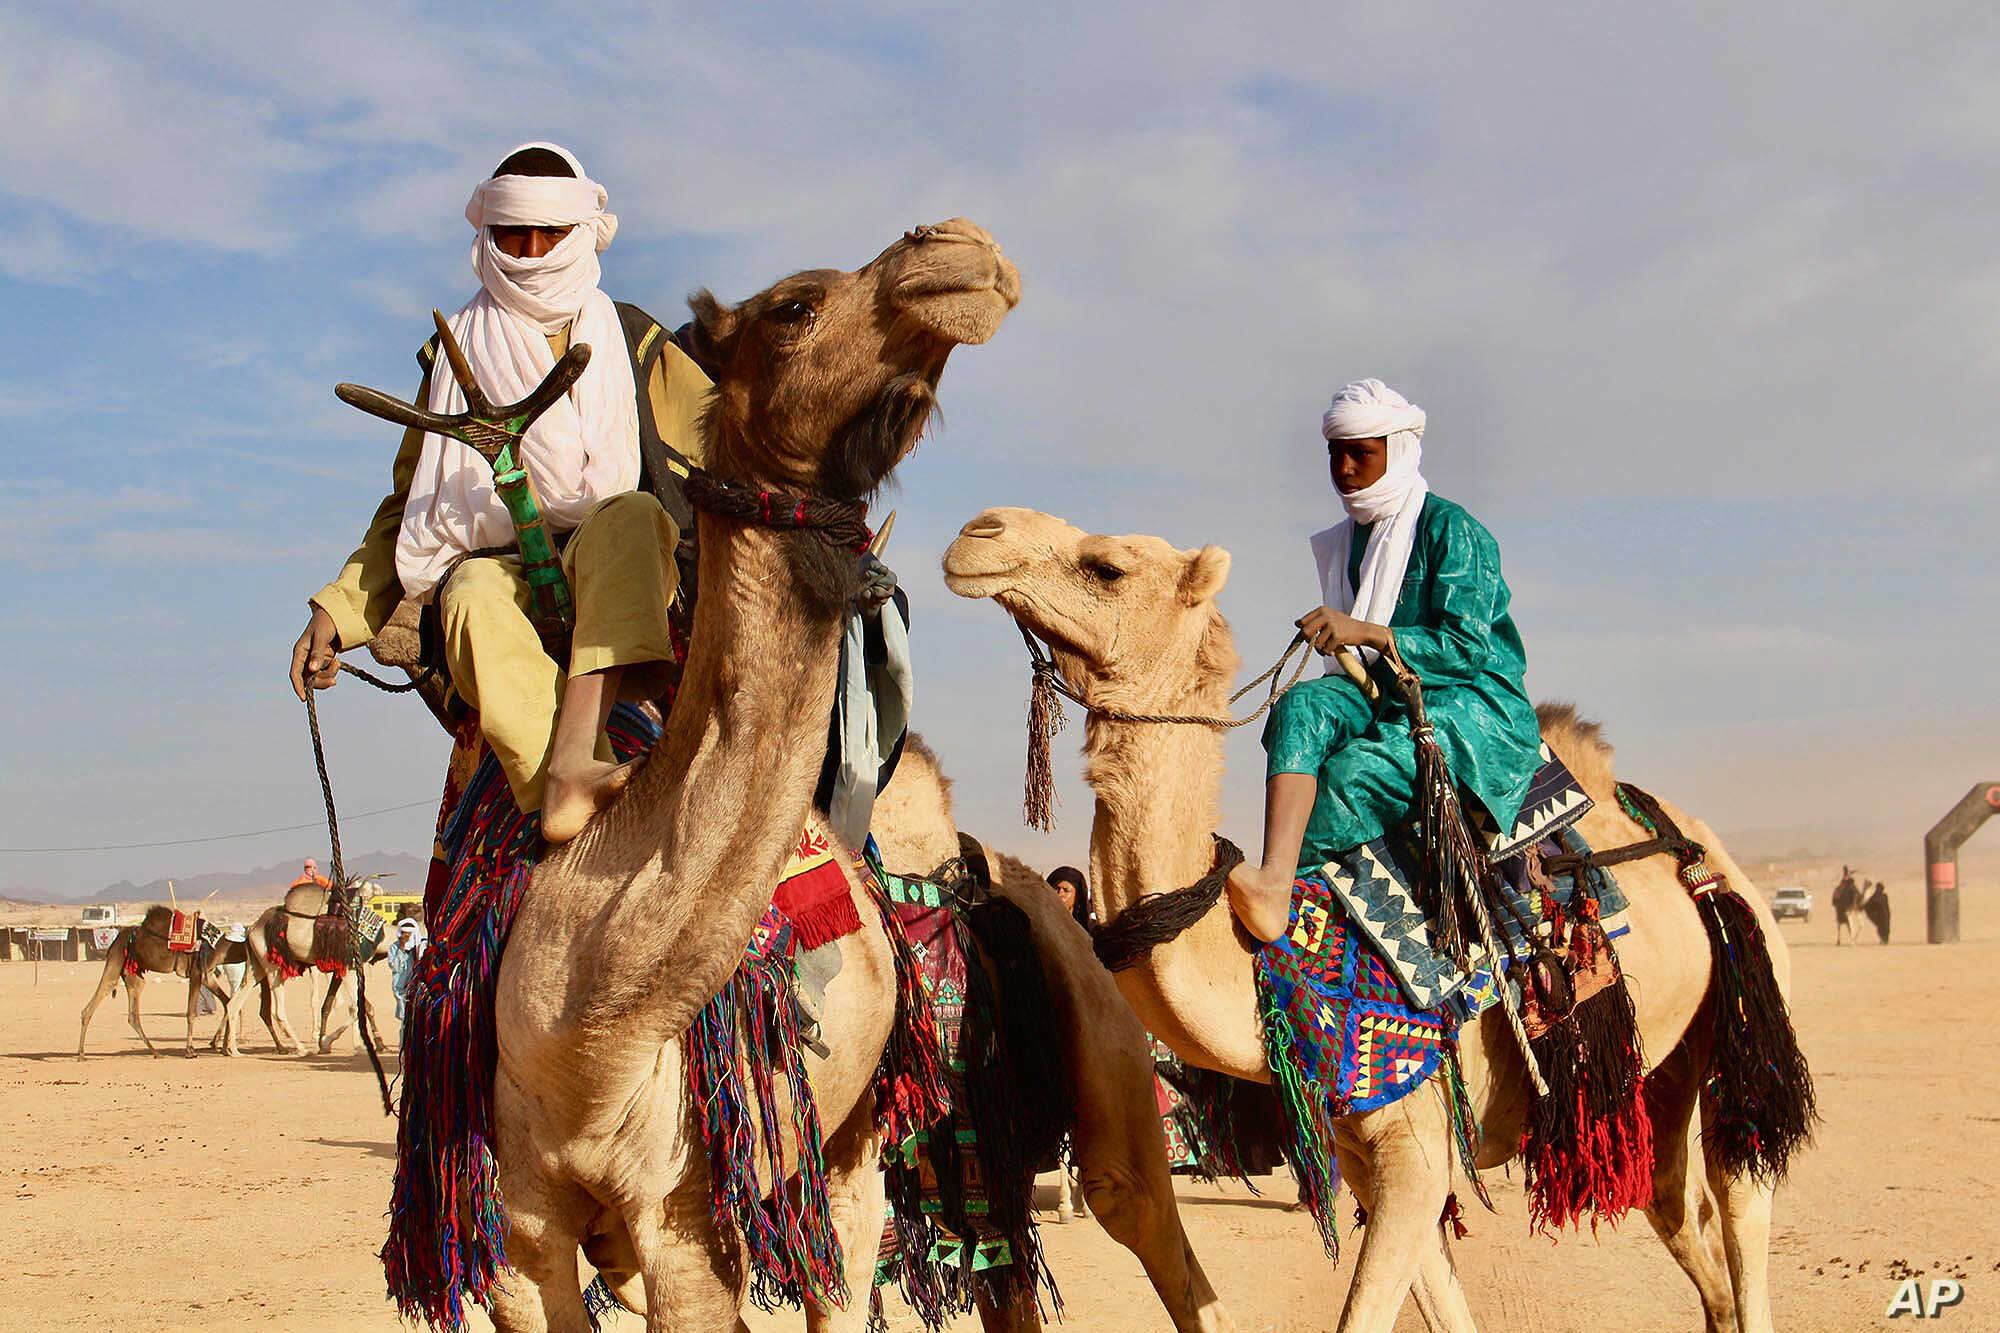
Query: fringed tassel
(1310, 1111)
(598, 1301)
(1588, 1144)
(447, 1222)
(738, 1046)
(911, 1089)
(1045, 719)
(1759, 1088)
(1465, 1134)
(1452, 864)
(824, 922)
(1016, 1094)
(1758, 1084)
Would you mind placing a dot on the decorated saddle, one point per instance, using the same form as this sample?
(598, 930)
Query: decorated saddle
(448, 1221)
(1361, 1007)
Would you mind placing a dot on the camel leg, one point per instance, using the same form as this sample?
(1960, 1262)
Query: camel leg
(194, 1004)
(1439, 1295)
(1407, 1149)
(1122, 1153)
(694, 1275)
(329, 1035)
(1020, 1317)
(1682, 1211)
(1745, 1205)
(114, 965)
(855, 1198)
(135, 986)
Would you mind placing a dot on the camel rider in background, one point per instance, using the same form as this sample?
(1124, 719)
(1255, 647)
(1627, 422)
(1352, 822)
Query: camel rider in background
(1407, 566)
(444, 537)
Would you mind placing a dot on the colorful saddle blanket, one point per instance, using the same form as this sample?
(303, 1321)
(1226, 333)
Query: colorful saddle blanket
(447, 1220)
(184, 932)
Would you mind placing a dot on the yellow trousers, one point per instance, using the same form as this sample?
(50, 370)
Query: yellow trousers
(620, 564)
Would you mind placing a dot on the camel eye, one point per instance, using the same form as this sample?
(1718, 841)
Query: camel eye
(1106, 574)
(792, 312)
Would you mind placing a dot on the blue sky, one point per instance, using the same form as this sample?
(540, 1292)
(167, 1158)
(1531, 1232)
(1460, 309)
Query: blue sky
(1702, 302)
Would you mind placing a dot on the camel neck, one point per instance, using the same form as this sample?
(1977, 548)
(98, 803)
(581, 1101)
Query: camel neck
(680, 869)
(1157, 791)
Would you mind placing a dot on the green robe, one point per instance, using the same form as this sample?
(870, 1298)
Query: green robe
(1452, 627)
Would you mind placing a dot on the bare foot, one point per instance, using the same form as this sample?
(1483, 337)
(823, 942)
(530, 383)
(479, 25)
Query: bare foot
(1262, 899)
(571, 797)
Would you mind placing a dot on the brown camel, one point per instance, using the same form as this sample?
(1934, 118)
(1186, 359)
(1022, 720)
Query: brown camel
(823, 384)
(1118, 1144)
(288, 927)
(147, 944)
(1132, 625)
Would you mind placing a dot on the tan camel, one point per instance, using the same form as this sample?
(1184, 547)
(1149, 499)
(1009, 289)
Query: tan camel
(303, 904)
(823, 384)
(1132, 625)
(147, 943)
(1118, 1145)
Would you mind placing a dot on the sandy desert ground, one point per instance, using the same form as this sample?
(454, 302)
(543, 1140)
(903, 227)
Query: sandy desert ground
(146, 1194)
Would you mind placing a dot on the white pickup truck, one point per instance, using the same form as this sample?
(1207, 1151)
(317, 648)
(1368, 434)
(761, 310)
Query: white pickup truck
(100, 914)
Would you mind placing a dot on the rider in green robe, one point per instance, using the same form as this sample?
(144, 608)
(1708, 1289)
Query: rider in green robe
(1417, 567)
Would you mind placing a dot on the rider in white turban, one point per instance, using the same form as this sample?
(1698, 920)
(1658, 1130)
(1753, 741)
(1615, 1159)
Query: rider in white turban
(443, 536)
(1411, 568)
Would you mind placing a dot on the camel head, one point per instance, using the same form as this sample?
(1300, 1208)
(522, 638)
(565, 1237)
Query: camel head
(1130, 621)
(825, 380)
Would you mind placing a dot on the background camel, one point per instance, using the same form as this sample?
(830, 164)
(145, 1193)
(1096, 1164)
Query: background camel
(1117, 1143)
(1131, 623)
(146, 943)
(288, 929)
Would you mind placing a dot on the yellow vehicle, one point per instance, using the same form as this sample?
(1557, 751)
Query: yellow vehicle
(393, 907)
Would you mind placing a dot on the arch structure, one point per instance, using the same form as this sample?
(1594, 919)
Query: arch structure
(1941, 846)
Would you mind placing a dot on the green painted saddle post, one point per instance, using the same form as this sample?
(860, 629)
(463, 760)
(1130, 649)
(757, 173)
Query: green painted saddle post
(494, 433)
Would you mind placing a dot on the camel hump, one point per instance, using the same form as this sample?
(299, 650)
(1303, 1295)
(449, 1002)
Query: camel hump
(159, 919)
(305, 900)
(1580, 744)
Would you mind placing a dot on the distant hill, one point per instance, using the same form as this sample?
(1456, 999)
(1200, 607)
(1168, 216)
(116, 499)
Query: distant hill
(407, 872)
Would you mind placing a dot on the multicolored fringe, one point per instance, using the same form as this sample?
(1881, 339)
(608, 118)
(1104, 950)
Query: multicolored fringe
(1225, 1126)
(447, 1221)
(1339, 1034)
(961, 1190)
(1758, 1085)
(739, 1045)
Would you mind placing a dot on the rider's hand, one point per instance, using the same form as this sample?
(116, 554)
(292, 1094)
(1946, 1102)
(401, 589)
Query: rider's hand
(313, 661)
(1327, 629)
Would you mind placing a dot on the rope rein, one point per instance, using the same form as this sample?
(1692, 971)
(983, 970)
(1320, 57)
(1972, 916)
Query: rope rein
(1045, 717)
(840, 523)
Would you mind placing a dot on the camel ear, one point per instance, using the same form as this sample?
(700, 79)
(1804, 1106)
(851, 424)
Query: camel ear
(713, 331)
(1207, 571)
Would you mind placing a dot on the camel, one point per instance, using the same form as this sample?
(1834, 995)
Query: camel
(1117, 1148)
(1846, 905)
(147, 944)
(303, 904)
(823, 384)
(1131, 623)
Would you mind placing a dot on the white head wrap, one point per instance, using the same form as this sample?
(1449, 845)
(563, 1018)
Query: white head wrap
(1367, 409)
(583, 449)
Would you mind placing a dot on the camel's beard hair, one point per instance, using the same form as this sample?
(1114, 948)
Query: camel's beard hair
(858, 458)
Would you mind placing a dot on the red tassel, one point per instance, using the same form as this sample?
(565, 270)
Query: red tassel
(824, 922)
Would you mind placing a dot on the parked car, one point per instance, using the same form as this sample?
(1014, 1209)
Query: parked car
(1792, 901)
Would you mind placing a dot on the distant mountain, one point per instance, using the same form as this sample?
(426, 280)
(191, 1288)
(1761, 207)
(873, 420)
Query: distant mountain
(406, 871)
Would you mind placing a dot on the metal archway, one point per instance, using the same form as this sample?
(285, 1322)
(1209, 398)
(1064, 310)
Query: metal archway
(1941, 846)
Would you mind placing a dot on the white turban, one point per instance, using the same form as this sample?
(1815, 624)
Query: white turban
(1368, 409)
(583, 449)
